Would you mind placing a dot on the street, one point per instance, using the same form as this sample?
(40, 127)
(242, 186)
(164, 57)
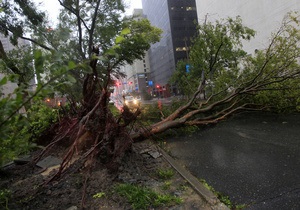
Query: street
(253, 158)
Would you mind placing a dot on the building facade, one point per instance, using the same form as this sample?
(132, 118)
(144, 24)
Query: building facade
(264, 16)
(137, 78)
(178, 20)
(9, 88)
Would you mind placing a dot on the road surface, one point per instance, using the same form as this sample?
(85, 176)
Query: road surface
(253, 158)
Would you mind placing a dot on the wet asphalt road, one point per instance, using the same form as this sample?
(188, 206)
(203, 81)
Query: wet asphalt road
(254, 158)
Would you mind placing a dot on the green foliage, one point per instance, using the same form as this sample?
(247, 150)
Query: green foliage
(120, 40)
(19, 133)
(9, 147)
(267, 79)
(214, 55)
(18, 18)
(144, 198)
(99, 195)
(114, 110)
(4, 198)
(152, 113)
(223, 198)
(13, 141)
(19, 129)
(19, 62)
(64, 62)
(166, 185)
(165, 173)
(40, 117)
(138, 33)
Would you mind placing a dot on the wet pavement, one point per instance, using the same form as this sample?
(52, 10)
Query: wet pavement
(253, 158)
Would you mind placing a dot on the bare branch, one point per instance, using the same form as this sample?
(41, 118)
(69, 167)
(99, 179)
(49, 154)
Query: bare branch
(222, 117)
(76, 12)
(92, 29)
(37, 43)
(29, 39)
(73, 11)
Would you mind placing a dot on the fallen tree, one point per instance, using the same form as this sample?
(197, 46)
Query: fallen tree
(268, 80)
(222, 80)
(231, 80)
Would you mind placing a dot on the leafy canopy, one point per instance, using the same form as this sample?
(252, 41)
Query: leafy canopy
(215, 54)
(222, 69)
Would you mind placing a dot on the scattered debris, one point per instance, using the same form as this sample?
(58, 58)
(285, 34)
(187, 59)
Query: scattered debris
(49, 162)
(154, 154)
(22, 160)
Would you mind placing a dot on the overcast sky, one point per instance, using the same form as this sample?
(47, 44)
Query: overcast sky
(53, 6)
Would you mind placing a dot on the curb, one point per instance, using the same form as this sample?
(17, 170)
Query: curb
(207, 195)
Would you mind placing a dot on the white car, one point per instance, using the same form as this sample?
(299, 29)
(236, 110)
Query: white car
(131, 101)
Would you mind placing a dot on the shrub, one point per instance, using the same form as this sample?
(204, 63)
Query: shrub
(19, 132)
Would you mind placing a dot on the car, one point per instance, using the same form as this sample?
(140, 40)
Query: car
(131, 101)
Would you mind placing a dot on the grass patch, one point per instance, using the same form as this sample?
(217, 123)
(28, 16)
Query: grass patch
(223, 198)
(166, 185)
(144, 198)
(165, 173)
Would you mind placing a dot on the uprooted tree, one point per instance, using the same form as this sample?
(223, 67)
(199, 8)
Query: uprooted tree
(81, 58)
(224, 79)
(83, 55)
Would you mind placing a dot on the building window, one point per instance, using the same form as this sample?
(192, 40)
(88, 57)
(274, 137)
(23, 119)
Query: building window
(190, 8)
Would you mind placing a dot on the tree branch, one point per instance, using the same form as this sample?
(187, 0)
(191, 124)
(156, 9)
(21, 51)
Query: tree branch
(91, 31)
(76, 12)
(28, 39)
(72, 10)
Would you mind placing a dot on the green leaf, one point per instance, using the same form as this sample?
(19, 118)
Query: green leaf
(13, 77)
(3, 81)
(119, 39)
(71, 65)
(71, 78)
(85, 68)
(111, 52)
(125, 31)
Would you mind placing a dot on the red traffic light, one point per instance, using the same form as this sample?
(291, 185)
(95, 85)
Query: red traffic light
(157, 86)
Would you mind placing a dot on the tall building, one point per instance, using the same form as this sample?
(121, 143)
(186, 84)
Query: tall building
(138, 74)
(178, 20)
(264, 16)
(7, 46)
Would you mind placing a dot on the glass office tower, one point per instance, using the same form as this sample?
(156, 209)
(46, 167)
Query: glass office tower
(178, 20)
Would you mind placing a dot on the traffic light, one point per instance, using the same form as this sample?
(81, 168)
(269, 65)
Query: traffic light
(157, 86)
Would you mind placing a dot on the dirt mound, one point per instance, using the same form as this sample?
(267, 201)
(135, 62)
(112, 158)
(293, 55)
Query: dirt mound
(139, 167)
